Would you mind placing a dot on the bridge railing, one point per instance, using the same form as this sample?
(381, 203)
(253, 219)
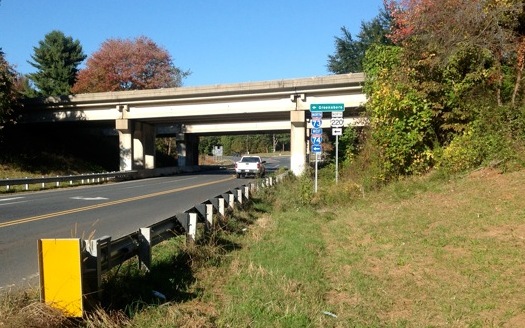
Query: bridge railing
(98, 256)
(89, 178)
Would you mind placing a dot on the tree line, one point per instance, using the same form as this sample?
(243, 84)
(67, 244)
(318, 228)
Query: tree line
(119, 64)
(444, 81)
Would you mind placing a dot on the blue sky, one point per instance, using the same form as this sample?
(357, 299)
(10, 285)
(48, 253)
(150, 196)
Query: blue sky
(220, 41)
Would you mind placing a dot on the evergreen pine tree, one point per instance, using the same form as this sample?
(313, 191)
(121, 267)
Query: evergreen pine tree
(350, 52)
(56, 58)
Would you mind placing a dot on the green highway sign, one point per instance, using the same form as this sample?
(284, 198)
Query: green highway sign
(327, 107)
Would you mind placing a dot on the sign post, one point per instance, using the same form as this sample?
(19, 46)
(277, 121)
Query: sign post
(316, 138)
(336, 122)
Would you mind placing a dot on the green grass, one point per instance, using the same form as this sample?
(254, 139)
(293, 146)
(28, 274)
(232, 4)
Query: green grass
(422, 252)
(278, 281)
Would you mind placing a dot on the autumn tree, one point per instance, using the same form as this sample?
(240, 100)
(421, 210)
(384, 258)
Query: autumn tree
(8, 94)
(432, 97)
(56, 59)
(350, 52)
(124, 64)
(400, 117)
(482, 36)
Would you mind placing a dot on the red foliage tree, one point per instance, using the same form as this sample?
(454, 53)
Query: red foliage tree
(8, 91)
(436, 30)
(128, 65)
(445, 23)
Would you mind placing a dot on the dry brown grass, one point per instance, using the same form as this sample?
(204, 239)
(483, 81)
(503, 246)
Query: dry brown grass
(23, 309)
(453, 257)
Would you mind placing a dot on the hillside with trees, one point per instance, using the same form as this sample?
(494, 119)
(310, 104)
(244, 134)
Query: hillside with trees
(444, 81)
(445, 90)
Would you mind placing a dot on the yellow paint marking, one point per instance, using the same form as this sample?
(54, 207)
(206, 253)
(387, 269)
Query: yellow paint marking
(116, 202)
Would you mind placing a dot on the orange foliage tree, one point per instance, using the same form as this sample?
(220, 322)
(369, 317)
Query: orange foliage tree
(124, 64)
(437, 30)
(8, 94)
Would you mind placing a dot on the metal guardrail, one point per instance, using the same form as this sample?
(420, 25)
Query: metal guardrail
(83, 178)
(100, 255)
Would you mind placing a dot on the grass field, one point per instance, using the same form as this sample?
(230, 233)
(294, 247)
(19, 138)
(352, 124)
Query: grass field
(420, 253)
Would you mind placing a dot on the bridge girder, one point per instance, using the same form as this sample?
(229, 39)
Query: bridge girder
(216, 109)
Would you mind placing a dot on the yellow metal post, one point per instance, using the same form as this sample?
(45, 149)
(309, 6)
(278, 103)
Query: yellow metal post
(60, 266)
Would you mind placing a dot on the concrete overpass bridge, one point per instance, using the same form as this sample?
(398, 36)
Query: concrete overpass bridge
(189, 112)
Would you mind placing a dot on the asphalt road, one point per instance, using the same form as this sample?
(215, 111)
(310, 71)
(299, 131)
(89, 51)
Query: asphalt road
(114, 209)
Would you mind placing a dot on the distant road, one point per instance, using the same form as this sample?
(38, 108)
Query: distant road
(114, 209)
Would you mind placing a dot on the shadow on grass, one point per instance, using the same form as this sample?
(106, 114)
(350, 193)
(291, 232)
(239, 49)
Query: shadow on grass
(130, 289)
(172, 278)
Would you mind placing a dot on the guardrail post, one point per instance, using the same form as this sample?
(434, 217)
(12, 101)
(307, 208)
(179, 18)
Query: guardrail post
(229, 199)
(206, 212)
(246, 192)
(238, 195)
(222, 208)
(189, 223)
(145, 248)
(192, 227)
(99, 249)
(218, 203)
(209, 217)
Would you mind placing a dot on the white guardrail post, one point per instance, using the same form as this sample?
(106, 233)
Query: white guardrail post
(73, 287)
(229, 200)
(144, 251)
(246, 192)
(189, 223)
(205, 211)
(218, 204)
(238, 195)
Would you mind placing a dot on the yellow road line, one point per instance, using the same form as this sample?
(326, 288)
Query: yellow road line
(116, 202)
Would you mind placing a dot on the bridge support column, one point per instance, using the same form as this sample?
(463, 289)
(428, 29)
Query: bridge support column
(298, 141)
(143, 146)
(192, 149)
(181, 153)
(188, 150)
(124, 128)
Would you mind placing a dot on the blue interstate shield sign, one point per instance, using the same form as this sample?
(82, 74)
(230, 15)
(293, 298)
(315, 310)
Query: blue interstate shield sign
(316, 123)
